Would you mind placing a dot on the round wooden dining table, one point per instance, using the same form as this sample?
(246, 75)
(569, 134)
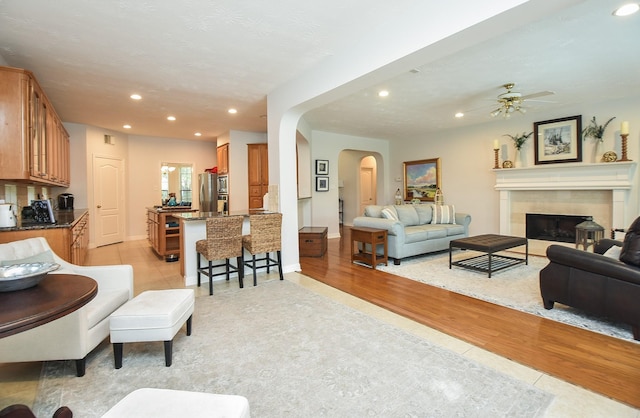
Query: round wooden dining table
(55, 296)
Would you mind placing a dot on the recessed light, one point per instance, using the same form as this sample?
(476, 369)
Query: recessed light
(627, 9)
(459, 115)
(136, 97)
(383, 93)
(171, 118)
(198, 134)
(232, 111)
(126, 126)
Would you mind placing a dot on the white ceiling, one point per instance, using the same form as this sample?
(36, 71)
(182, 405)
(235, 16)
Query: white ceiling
(196, 58)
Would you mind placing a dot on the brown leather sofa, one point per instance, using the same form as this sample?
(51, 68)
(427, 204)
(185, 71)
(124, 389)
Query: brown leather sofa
(593, 282)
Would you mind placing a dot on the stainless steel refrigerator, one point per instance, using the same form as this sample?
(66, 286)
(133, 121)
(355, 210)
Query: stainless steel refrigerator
(208, 192)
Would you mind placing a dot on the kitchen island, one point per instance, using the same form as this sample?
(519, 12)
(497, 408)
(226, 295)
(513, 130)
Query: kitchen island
(163, 228)
(193, 227)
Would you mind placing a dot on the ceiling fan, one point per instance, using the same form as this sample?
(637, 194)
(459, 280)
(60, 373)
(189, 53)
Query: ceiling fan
(512, 101)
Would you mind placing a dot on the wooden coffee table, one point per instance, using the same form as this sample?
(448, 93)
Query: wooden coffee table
(489, 244)
(373, 237)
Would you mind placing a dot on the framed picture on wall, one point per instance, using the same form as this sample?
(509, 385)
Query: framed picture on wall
(422, 179)
(558, 140)
(322, 184)
(322, 167)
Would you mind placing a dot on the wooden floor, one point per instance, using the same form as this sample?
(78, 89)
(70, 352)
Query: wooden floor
(605, 365)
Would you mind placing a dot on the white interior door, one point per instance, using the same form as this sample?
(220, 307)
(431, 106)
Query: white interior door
(367, 188)
(108, 192)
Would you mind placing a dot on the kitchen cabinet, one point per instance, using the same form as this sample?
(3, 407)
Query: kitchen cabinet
(79, 240)
(69, 241)
(35, 144)
(258, 165)
(163, 229)
(223, 159)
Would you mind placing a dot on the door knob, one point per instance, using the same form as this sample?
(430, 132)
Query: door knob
(99, 206)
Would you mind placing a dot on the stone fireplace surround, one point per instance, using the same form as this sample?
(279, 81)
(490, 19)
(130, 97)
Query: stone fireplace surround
(600, 190)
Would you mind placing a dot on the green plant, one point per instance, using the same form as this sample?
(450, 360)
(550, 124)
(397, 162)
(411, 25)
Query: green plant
(595, 131)
(519, 140)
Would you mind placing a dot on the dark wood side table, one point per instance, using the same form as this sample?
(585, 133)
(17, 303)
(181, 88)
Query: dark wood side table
(370, 236)
(55, 296)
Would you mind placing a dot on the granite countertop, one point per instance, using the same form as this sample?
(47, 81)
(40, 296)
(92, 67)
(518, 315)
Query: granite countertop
(199, 216)
(171, 209)
(64, 219)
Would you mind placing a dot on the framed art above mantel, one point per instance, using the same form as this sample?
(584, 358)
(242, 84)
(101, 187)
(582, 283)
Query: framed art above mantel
(558, 140)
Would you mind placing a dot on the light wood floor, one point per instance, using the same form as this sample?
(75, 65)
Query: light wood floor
(605, 365)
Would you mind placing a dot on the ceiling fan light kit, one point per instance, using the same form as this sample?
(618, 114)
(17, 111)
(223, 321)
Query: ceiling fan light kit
(512, 101)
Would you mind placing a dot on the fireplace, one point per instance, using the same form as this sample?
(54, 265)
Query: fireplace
(602, 190)
(550, 227)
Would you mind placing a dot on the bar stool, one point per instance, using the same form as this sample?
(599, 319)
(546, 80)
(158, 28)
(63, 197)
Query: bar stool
(224, 241)
(264, 238)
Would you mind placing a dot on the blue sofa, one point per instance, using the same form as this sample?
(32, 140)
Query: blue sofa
(415, 230)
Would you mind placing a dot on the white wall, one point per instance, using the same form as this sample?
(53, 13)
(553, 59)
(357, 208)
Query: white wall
(95, 146)
(330, 146)
(143, 173)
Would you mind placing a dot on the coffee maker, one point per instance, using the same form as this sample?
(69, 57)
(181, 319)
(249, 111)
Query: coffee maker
(65, 201)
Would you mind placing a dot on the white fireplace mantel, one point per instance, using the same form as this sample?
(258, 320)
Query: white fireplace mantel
(616, 176)
(570, 176)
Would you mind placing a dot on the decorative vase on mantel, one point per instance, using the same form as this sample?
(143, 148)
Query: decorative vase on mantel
(518, 160)
(597, 151)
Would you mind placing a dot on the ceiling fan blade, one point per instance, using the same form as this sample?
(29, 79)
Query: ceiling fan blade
(538, 94)
(541, 101)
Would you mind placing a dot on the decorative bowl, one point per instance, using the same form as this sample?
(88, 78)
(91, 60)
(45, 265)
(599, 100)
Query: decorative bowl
(22, 276)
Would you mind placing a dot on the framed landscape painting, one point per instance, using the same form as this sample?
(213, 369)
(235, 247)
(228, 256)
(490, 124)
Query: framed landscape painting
(421, 179)
(558, 140)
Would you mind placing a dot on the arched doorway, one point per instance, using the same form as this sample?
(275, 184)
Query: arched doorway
(368, 194)
(360, 178)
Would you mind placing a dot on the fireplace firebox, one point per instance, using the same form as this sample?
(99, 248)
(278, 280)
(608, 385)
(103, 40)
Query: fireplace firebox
(550, 227)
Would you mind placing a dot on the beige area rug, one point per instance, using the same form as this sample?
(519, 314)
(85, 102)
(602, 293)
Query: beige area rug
(294, 353)
(515, 287)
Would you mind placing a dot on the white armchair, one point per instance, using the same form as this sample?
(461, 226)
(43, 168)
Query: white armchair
(73, 336)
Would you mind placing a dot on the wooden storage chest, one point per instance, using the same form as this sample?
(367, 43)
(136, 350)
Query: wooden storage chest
(312, 241)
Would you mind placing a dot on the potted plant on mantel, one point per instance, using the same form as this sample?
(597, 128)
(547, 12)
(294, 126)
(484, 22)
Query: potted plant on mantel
(596, 132)
(518, 141)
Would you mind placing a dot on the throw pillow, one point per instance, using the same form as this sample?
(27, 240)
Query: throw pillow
(630, 252)
(389, 213)
(443, 214)
(613, 252)
(407, 214)
(373, 211)
(425, 214)
(44, 257)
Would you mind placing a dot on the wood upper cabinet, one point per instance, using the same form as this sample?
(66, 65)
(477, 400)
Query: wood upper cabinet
(258, 163)
(34, 142)
(223, 159)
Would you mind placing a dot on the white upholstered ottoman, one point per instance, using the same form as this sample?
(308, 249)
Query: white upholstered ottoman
(154, 315)
(155, 403)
